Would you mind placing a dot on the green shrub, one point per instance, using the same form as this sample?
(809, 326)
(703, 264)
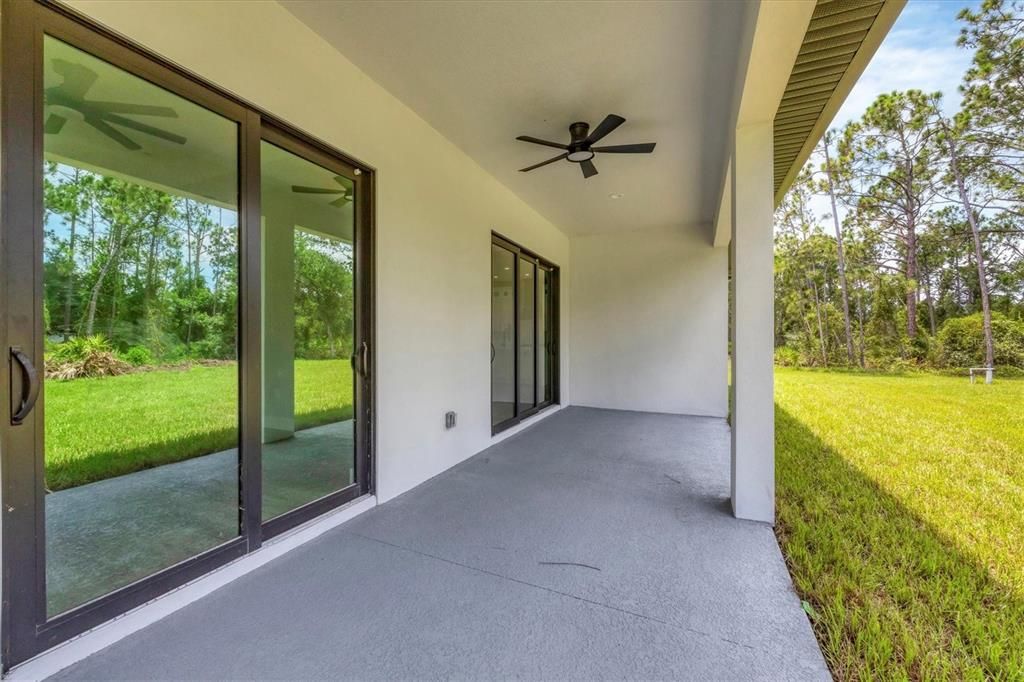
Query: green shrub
(961, 341)
(787, 357)
(138, 355)
(80, 348)
(83, 356)
(902, 366)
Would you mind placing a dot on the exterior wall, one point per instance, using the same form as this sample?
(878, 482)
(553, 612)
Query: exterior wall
(435, 211)
(649, 322)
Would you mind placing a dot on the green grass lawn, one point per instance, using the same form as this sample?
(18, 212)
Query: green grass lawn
(98, 428)
(901, 515)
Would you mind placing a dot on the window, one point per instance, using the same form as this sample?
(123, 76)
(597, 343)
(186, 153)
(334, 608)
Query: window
(524, 334)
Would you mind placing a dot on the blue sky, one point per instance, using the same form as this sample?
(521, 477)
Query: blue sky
(919, 52)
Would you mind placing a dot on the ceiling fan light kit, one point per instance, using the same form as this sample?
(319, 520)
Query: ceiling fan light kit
(580, 148)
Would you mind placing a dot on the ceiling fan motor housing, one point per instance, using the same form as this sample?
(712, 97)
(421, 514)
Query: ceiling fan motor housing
(579, 150)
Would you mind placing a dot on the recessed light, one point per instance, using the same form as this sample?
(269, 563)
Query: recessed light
(616, 195)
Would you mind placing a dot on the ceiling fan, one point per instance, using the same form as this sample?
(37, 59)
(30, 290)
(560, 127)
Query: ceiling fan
(69, 99)
(345, 192)
(580, 148)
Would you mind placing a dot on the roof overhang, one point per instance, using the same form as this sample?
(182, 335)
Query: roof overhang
(841, 38)
(798, 79)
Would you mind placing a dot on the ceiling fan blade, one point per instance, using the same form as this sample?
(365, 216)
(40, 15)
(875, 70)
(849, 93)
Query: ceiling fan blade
(588, 168)
(77, 78)
(537, 140)
(643, 148)
(544, 163)
(114, 134)
(303, 189)
(338, 203)
(54, 124)
(144, 128)
(343, 181)
(136, 109)
(610, 123)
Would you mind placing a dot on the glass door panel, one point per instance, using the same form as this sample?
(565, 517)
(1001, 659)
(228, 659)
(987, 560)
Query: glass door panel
(503, 329)
(527, 331)
(140, 316)
(545, 335)
(308, 234)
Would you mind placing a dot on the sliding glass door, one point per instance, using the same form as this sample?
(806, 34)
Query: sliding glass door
(139, 274)
(524, 348)
(312, 355)
(503, 334)
(186, 307)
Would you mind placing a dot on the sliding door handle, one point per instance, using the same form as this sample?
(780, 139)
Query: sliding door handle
(364, 360)
(30, 385)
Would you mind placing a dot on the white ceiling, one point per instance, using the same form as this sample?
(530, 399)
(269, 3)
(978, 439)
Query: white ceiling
(482, 73)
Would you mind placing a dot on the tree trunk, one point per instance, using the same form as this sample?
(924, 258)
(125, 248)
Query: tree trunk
(113, 307)
(979, 256)
(911, 275)
(150, 274)
(930, 302)
(821, 327)
(191, 284)
(860, 317)
(839, 253)
(69, 287)
(115, 248)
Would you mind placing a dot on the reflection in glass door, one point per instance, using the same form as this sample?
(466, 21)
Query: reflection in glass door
(527, 298)
(133, 453)
(503, 328)
(140, 317)
(309, 340)
(546, 336)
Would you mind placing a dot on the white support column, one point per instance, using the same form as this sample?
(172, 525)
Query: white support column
(278, 328)
(751, 251)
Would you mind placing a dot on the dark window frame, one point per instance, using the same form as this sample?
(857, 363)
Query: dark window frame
(25, 629)
(554, 274)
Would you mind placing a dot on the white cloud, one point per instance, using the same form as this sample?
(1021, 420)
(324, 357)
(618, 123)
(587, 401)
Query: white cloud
(920, 52)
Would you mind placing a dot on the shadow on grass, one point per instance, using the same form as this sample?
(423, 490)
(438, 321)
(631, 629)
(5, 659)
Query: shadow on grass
(108, 464)
(892, 597)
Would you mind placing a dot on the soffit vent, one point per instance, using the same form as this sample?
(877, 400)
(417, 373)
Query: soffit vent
(837, 32)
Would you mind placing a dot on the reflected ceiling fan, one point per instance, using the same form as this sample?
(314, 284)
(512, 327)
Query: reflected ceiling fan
(69, 99)
(580, 149)
(345, 192)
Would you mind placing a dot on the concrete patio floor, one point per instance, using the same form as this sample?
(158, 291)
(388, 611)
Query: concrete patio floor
(596, 545)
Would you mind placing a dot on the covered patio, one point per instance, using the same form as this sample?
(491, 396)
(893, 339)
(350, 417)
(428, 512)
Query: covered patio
(596, 544)
(538, 479)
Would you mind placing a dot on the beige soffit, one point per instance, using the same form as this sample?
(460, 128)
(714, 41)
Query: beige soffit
(840, 41)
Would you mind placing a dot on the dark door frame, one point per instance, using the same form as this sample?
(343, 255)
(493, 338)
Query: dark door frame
(552, 270)
(24, 626)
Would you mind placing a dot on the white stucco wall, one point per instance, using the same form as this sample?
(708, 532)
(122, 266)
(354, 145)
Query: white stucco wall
(649, 322)
(436, 209)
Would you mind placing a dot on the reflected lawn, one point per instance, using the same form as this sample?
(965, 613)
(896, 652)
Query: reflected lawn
(98, 428)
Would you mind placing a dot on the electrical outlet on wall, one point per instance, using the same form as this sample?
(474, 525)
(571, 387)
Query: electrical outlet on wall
(450, 419)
